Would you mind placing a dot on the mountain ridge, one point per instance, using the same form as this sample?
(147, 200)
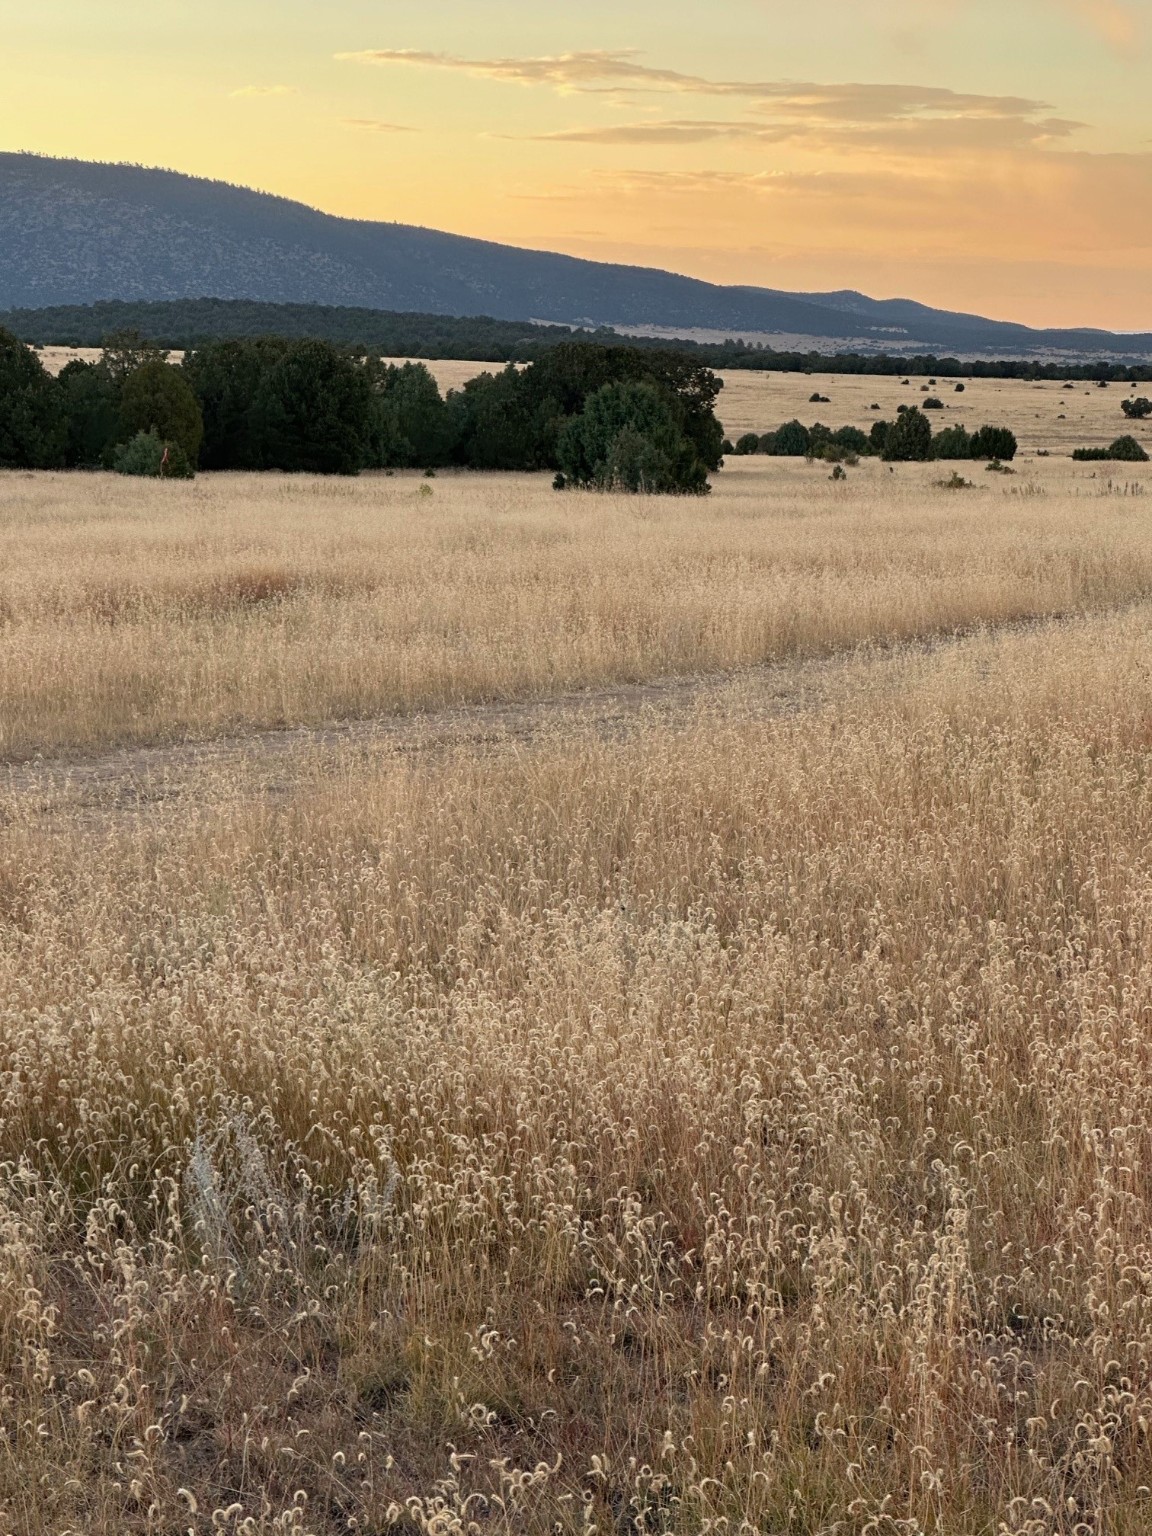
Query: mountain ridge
(78, 232)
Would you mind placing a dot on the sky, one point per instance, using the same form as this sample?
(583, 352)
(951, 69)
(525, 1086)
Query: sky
(987, 155)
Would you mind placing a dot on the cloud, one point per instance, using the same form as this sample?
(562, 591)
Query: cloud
(917, 136)
(567, 71)
(597, 70)
(378, 125)
(264, 90)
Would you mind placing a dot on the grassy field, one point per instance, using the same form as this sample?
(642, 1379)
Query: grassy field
(738, 1122)
(135, 613)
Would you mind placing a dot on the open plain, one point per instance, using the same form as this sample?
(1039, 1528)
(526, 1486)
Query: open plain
(526, 1012)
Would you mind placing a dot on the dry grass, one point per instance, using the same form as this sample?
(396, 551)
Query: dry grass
(741, 1126)
(131, 612)
(739, 1129)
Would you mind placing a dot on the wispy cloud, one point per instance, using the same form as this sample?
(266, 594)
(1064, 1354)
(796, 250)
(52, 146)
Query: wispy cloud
(264, 90)
(596, 70)
(378, 125)
(918, 136)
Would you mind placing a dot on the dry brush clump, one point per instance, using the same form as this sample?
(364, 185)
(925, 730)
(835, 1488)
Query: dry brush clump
(134, 612)
(739, 1128)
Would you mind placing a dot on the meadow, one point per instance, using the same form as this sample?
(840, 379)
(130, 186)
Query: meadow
(728, 1117)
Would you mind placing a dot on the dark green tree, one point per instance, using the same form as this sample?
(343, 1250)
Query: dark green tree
(853, 439)
(227, 378)
(89, 400)
(628, 438)
(125, 351)
(952, 443)
(410, 426)
(792, 440)
(313, 411)
(749, 443)
(910, 438)
(32, 427)
(157, 398)
(994, 443)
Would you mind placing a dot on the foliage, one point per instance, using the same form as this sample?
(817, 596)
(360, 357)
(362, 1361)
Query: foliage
(513, 420)
(313, 411)
(1124, 449)
(628, 438)
(994, 443)
(193, 323)
(149, 456)
(157, 398)
(952, 443)
(749, 443)
(124, 351)
(1138, 409)
(227, 378)
(33, 434)
(792, 440)
(410, 425)
(910, 438)
(89, 401)
(932, 404)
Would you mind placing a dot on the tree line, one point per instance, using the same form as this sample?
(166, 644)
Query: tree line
(612, 417)
(188, 323)
(908, 439)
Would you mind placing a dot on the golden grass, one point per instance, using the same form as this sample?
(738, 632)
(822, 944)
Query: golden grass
(741, 1128)
(131, 612)
(736, 1124)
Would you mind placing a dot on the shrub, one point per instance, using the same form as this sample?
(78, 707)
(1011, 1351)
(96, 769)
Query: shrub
(932, 404)
(1137, 409)
(792, 440)
(768, 443)
(1126, 449)
(878, 436)
(952, 443)
(960, 389)
(818, 399)
(994, 443)
(910, 438)
(749, 443)
(148, 455)
(628, 438)
(853, 438)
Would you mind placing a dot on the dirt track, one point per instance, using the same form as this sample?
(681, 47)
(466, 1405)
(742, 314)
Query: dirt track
(170, 778)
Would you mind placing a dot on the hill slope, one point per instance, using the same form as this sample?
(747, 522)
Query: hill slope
(72, 232)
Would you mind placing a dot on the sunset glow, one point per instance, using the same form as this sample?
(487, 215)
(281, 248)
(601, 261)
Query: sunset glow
(993, 157)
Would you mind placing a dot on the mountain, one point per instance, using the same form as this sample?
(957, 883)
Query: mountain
(73, 232)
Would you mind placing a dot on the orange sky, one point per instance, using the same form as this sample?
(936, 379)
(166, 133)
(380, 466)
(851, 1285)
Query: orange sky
(977, 155)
